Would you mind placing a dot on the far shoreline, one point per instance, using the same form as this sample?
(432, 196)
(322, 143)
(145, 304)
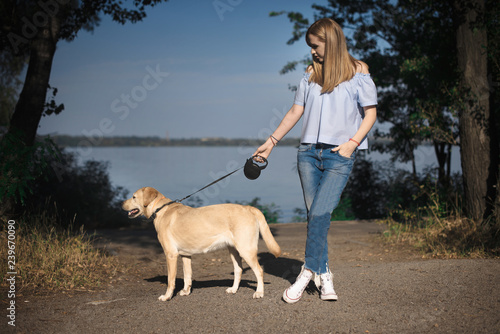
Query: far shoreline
(137, 141)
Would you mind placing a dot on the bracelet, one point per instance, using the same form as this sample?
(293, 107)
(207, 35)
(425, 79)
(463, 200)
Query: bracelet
(354, 141)
(274, 143)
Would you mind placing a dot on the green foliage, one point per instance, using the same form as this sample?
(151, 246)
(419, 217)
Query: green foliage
(407, 46)
(300, 215)
(438, 228)
(411, 48)
(21, 165)
(20, 38)
(343, 211)
(300, 23)
(52, 107)
(84, 192)
(73, 16)
(44, 176)
(376, 188)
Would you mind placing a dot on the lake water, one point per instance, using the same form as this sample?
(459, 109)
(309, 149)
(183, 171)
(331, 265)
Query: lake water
(179, 171)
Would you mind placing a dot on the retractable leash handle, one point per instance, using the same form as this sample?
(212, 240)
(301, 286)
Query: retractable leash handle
(252, 169)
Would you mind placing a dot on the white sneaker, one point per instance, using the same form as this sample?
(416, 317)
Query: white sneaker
(294, 292)
(327, 290)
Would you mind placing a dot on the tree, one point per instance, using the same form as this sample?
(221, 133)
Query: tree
(34, 28)
(479, 149)
(31, 29)
(420, 55)
(10, 69)
(407, 49)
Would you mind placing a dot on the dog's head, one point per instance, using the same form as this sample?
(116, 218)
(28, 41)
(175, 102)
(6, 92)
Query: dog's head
(142, 202)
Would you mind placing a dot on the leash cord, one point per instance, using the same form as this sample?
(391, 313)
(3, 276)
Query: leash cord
(220, 179)
(153, 216)
(208, 185)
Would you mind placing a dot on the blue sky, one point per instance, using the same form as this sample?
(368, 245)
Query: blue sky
(186, 71)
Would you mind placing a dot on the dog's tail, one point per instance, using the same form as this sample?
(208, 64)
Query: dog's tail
(271, 244)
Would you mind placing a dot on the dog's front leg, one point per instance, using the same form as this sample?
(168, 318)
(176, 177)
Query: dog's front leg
(186, 266)
(172, 274)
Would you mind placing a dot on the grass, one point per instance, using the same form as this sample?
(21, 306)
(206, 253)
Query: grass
(52, 258)
(439, 231)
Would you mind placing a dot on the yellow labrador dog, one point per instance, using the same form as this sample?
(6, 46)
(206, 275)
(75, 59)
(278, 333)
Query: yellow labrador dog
(185, 231)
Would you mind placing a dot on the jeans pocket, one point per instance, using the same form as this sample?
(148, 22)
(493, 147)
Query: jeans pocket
(304, 147)
(352, 157)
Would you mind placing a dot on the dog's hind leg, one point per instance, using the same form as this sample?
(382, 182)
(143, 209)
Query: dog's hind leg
(238, 269)
(250, 258)
(188, 272)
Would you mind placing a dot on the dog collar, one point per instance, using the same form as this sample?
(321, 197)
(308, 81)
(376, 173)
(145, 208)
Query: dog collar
(156, 202)
(153, 216)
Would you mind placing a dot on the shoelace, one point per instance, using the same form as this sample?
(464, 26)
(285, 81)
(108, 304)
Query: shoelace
(327, 278)
(324, 281)
(304, 277)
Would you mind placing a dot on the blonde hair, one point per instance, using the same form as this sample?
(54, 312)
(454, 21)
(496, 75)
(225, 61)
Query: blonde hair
(338, 65)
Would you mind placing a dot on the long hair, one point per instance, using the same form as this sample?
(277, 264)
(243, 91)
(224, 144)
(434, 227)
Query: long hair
(338, 65)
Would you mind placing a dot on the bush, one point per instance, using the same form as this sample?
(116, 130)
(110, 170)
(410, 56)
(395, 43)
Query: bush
(435, 224)
(300, 215)
(343, 211)
(82, 195)
(374, 189)
(20, 166)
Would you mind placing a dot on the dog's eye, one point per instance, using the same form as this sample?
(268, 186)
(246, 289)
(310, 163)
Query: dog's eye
(133, 197)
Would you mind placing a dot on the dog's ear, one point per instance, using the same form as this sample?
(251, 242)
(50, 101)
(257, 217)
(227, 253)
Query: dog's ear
(149, 194)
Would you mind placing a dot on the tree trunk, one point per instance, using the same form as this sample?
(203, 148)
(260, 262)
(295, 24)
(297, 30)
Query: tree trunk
(26, 118)
(31, 103)
(443, 153)
(475, 114)
(448, 161)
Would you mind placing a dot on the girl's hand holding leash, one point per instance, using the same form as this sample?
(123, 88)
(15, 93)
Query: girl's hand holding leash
(265, 149)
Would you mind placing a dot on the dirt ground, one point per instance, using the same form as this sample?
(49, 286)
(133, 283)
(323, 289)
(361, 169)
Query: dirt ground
(380, 289)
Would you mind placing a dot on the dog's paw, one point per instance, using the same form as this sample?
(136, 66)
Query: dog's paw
(186, 292)
(164, 298)
(231, 290)
(258, 294)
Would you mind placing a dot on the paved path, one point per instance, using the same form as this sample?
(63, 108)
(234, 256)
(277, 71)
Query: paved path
(381, 290)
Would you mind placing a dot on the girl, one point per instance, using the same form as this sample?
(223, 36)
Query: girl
(337, 99)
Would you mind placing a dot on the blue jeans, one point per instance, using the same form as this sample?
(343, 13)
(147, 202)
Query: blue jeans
(323, 175)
